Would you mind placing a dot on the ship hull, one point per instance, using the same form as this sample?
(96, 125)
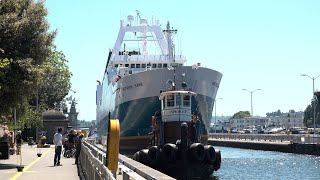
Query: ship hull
(135, 98)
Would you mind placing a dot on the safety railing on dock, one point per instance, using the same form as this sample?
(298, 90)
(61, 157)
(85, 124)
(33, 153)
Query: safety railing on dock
(92, 166)
(290, 138)
(93, 160)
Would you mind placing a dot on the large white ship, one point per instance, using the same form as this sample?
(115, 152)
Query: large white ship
(142, 64)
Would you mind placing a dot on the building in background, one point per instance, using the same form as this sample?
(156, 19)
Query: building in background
(285, 120)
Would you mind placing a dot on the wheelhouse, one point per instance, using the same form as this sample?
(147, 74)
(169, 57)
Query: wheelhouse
(176, 106)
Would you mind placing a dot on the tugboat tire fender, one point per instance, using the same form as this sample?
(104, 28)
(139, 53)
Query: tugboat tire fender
(217, 163)
(154, 155)
(197, 152)
(143, 156)
(136, 156)
(169, 152)
(210, 154)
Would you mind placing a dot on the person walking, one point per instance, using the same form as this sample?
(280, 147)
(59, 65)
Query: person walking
(19, 142)
(78, 147)
(57, 140)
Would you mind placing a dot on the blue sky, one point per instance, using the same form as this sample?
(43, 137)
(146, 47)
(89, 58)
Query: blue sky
(254, 44)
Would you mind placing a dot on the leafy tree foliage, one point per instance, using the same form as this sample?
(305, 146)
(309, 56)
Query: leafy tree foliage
(241, 114)
(4, 62)
(55, 82)
(25, 42)
(276, 113)
(292, 111)
(308, 113)
(30, 66)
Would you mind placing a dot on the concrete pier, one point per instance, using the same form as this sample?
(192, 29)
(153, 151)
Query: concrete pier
(266, 142)
(257, 145)
(37, 167)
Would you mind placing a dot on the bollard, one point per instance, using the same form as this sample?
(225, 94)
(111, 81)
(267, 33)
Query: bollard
(20, 167)
(125, 176)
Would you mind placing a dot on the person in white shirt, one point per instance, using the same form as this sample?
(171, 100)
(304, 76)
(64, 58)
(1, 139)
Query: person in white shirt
(57, 140)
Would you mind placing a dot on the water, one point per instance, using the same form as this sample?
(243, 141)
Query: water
(266, 165)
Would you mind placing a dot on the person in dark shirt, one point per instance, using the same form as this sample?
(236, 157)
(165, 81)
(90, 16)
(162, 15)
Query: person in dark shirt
(78, 147)
(71, 137)
(19, 142)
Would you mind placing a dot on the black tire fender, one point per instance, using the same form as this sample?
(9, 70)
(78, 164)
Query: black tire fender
(154, 155)
(210, 154)
(197, 152)
(168, 152)
(217, 162)
(136, 156)
(143, 156)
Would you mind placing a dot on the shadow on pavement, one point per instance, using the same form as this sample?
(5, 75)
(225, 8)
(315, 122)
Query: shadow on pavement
(8, 166)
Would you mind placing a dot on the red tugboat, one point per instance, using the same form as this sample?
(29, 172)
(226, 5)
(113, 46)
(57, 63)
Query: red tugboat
(176, 147)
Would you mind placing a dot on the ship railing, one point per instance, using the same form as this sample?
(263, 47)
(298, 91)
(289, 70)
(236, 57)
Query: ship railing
(93, 160)
(285, 138)
(147, 58)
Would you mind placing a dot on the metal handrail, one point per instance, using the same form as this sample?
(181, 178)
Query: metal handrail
(131, 169)
(93, 160)
(92, 165)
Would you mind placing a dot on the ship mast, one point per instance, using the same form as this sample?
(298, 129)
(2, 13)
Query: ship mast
(169, 32)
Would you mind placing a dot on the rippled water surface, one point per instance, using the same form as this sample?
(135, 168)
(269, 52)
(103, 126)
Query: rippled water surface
(252, 164)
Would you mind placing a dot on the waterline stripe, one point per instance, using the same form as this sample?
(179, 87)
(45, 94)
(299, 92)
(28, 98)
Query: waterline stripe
(18, 174)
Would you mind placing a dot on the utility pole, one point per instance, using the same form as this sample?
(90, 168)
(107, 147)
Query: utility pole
(314, 103)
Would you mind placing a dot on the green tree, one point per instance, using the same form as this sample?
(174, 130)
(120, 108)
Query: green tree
(292, 111)
(4, 62)
(308, 113)
(55, 82)
(25, 43)
(276, 113)
(241, 114)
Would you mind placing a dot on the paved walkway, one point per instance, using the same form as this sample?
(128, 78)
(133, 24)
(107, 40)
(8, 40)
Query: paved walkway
(38, 168)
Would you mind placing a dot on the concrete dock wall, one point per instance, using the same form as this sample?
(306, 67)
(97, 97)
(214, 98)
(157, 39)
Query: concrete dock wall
(311, 149)
(257, 145)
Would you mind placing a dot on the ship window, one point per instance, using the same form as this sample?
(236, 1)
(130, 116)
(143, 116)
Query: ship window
(137, 65)
(143, 65)
(154, 65)
(126, 65)
(178, 100)
(170, 100)
(133, 65)
(165, 65)
(116, 65)
(159, 65)
(186, 100)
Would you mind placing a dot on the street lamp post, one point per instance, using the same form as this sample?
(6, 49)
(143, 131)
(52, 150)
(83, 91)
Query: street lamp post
(314, 103)
(215, 115)
(251, 92)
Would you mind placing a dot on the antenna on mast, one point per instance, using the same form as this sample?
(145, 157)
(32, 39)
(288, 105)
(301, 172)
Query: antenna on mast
(169, 32)
(138, 15)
